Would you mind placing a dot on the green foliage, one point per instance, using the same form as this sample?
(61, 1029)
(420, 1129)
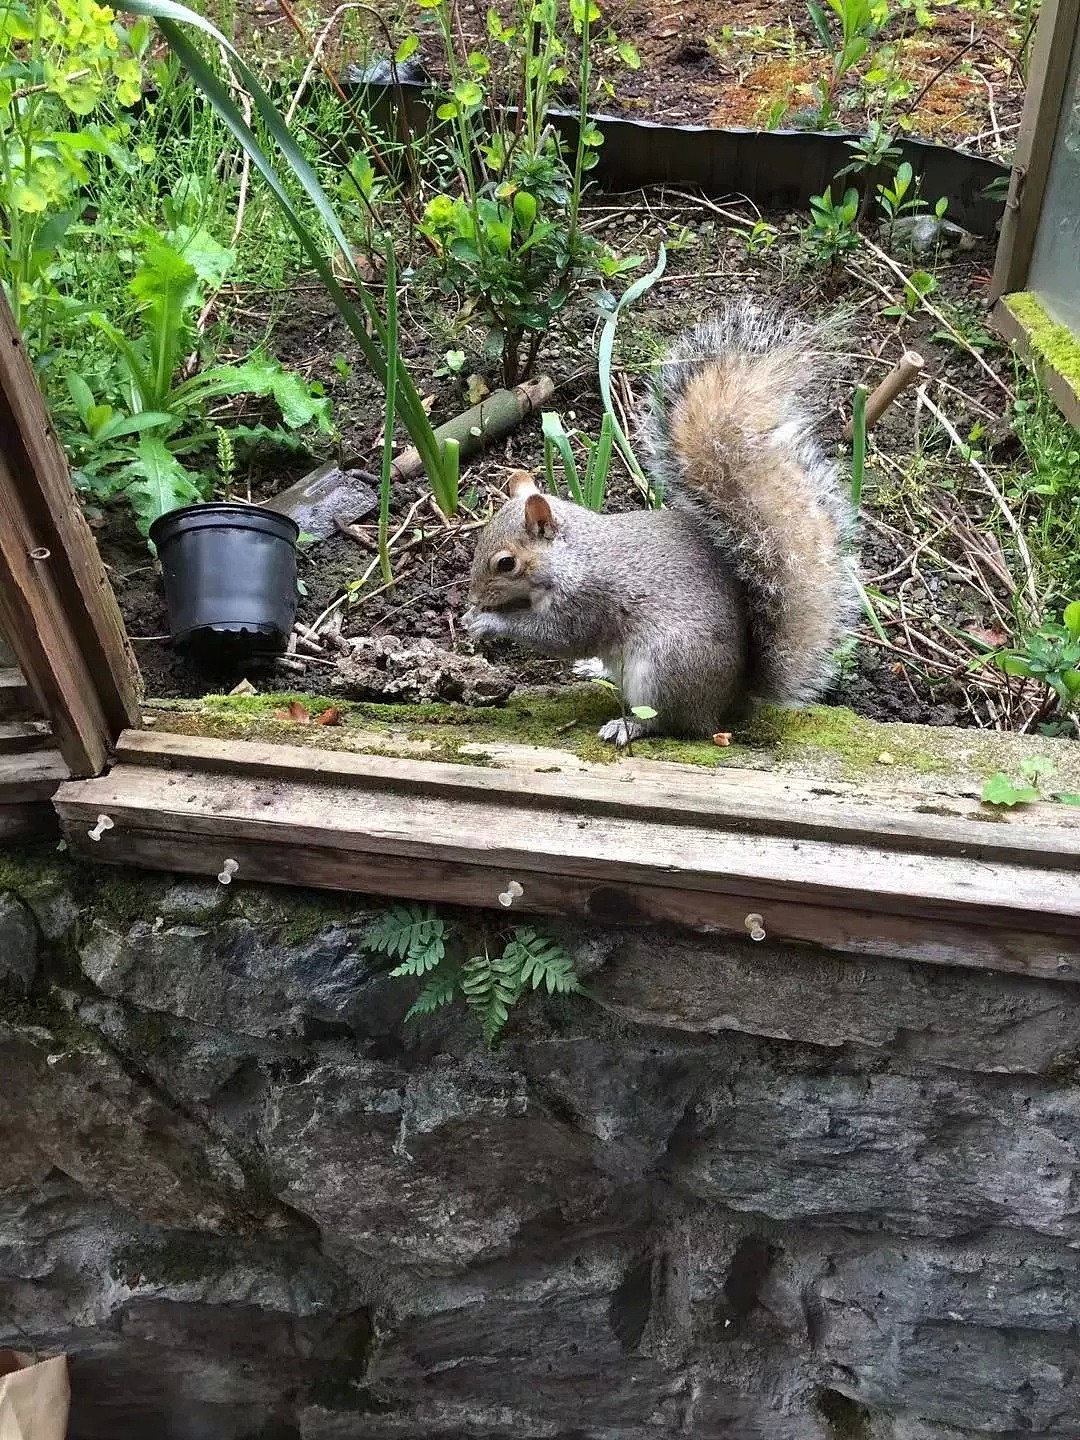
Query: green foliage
(831, 232)
(860, 22)
(490, 982)
(590, 491)
(1051, 656)
(1046, 491)
(68, 71)
(1033, 783)
(305, 208)
(876, 150)
(917, 286)
(507, 236)
(413, 934)
(858, 445)
(901, 195)
(760, 237)
(440, 990)
(605, 353)
(133, 448)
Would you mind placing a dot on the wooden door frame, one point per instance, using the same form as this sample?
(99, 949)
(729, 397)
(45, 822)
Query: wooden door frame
(1048, 74)
(58, 612)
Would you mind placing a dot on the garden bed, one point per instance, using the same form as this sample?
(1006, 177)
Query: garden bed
(950, 578)
(954, 71)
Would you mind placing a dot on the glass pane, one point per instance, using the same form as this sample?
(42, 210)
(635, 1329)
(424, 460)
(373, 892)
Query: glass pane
(1055, 265)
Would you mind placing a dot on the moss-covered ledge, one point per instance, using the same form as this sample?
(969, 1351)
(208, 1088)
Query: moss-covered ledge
(827, 828)
(550, 727)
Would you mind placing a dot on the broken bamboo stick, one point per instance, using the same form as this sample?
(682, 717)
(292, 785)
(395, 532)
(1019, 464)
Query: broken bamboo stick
(907, 369)
(496, 415)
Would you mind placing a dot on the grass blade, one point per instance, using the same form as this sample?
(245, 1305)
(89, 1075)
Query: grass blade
(604, 357)
(386, 471)
(599, 466)
(171, 17)
(858, 445)
(554, 434)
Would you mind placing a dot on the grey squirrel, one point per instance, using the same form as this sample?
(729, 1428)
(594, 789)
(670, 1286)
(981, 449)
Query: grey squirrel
(737, 592)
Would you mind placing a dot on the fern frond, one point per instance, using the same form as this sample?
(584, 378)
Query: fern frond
(414, 934)
(424, 954)
(539, 960)
(439, 991)
(490, 988)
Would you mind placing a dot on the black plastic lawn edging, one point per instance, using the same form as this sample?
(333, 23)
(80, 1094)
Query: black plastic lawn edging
(776, 169)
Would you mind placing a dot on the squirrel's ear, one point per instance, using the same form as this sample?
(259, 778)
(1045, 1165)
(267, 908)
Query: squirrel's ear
(539, 521)
(520, 482)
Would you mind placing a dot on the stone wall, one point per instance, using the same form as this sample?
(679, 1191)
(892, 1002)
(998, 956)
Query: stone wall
(741, 1192)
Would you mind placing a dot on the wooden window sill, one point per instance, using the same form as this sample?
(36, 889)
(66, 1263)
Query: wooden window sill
(874, 869)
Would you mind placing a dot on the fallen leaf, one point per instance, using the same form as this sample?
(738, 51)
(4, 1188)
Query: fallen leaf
(244, 688)
(296, 713)
(722, 738)
(330, 716)
(886, 759)
(476, 388)
(990, 635)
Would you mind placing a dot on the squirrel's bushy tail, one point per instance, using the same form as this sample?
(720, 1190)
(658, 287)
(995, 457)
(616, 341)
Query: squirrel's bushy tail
(731, 434)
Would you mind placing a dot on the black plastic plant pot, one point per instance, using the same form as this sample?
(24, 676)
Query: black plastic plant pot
(230, 577)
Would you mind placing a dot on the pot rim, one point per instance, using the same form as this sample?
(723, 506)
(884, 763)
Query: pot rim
(249, 516)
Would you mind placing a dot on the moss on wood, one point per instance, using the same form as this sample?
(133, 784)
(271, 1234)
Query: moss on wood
(1051, 342)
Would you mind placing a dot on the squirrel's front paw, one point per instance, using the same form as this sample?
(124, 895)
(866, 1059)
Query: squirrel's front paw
(593, 669)
(621, 732)
(483, 624)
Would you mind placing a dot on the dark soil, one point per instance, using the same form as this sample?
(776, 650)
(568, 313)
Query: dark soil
(743, 63)
(707, 261)
(718, 63)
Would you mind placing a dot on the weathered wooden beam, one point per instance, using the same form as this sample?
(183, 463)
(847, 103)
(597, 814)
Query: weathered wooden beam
(444, 837)
(19, 736)
(57, 610)
(31, 776)
(17, 701)
(741, 801)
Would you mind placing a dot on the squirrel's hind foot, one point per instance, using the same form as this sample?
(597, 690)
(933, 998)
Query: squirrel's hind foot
(622, 732)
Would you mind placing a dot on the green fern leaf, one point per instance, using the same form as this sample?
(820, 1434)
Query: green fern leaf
(412, 933)
(490, 989)
(438, 991)
(540, 960)
(425, 954)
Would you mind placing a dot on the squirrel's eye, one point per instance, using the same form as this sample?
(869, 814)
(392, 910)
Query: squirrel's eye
(506, 564)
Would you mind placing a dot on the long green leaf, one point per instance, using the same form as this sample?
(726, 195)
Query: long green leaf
(170, 17)
(121, 425)
(596, 477)
(858, 445)
(604, 354)
(821, 25)
(386, 473)
(159, 483)
(556, 437)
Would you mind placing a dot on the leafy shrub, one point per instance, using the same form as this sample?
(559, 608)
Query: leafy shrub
(68, 71)
(508, 240)
(134, 447)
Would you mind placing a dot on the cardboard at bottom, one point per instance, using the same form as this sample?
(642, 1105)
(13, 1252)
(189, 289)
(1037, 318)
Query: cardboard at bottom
(34, 1397)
